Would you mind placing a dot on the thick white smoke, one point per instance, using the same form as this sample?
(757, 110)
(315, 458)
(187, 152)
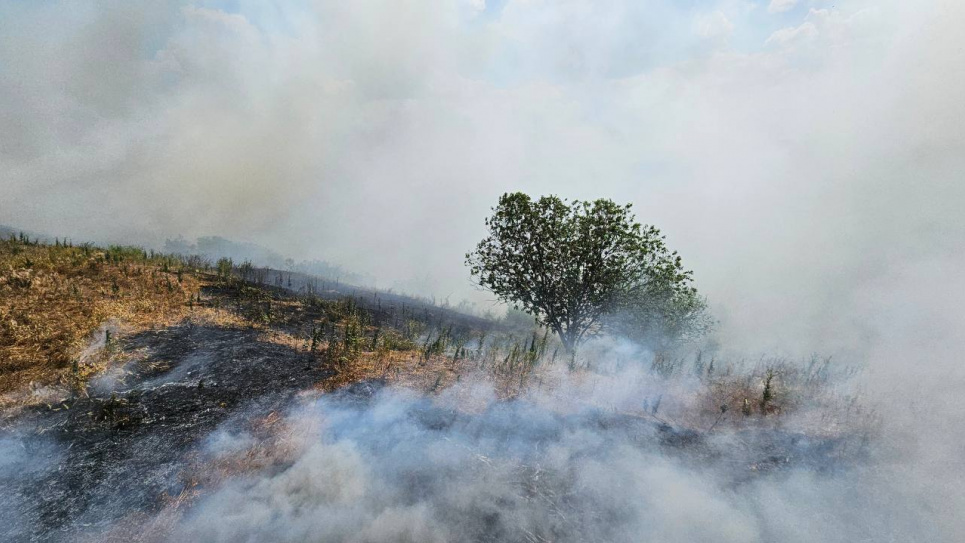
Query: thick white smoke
(402, 468)
(792, 157)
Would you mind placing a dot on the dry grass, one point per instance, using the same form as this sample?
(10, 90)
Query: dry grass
(701, 394)
(62, 310)
(57, 301)
(815, 395)
(57, 305)
(430, 366)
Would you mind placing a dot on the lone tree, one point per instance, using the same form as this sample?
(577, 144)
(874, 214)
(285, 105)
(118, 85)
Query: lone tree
(581, 268)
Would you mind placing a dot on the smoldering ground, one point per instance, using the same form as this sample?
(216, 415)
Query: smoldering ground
(215, 434)
(576, 457)
(400, 467)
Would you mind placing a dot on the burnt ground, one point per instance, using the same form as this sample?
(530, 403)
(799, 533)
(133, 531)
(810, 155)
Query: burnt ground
(744, 455)
(384, 306)
(97, 459)
(77, 468)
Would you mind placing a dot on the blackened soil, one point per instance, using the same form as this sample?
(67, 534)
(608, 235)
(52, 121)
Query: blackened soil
(77, 466)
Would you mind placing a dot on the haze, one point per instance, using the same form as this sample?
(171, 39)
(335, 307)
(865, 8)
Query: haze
(804, 156)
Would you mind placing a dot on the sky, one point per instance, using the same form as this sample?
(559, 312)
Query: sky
(804, 156)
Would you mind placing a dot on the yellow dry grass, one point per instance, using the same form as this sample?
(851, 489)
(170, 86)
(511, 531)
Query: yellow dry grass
(53, 299)
(410, 369)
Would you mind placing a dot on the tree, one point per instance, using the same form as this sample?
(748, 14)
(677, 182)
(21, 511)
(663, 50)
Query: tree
(662, 310)
(578, 266)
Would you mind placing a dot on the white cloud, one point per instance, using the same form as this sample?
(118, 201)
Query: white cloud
(793, 34)
(714, 25)
(780, 6)
(832, 27)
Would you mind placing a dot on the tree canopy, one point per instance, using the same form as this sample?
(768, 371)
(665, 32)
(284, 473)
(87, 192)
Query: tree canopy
(584, 267)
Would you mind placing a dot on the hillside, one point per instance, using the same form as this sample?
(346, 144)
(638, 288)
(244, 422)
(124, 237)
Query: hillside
(124, 373)
(54, 297)
(64, 310)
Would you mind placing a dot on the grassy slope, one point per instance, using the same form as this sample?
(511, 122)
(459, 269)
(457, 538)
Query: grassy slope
(53, 298)
(55, 302)
(58, 304)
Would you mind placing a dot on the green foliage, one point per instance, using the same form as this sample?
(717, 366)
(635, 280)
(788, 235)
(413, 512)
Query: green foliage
(575, 266)
(662, 309)
(768, 394)
(224, 267)
(345, 341)
(120, 253)
(437, 346)
(247, 270)
(413, 329)
(518, 319)
(393, 340)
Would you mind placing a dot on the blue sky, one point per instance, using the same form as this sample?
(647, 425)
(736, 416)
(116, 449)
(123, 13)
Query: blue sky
(655, 32)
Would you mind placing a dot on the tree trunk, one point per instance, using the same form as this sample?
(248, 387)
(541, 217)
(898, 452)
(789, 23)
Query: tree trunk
(569, 340)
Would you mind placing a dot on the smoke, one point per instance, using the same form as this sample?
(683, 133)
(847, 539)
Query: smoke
(791, 157)
(804, 157)
(403, 468)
